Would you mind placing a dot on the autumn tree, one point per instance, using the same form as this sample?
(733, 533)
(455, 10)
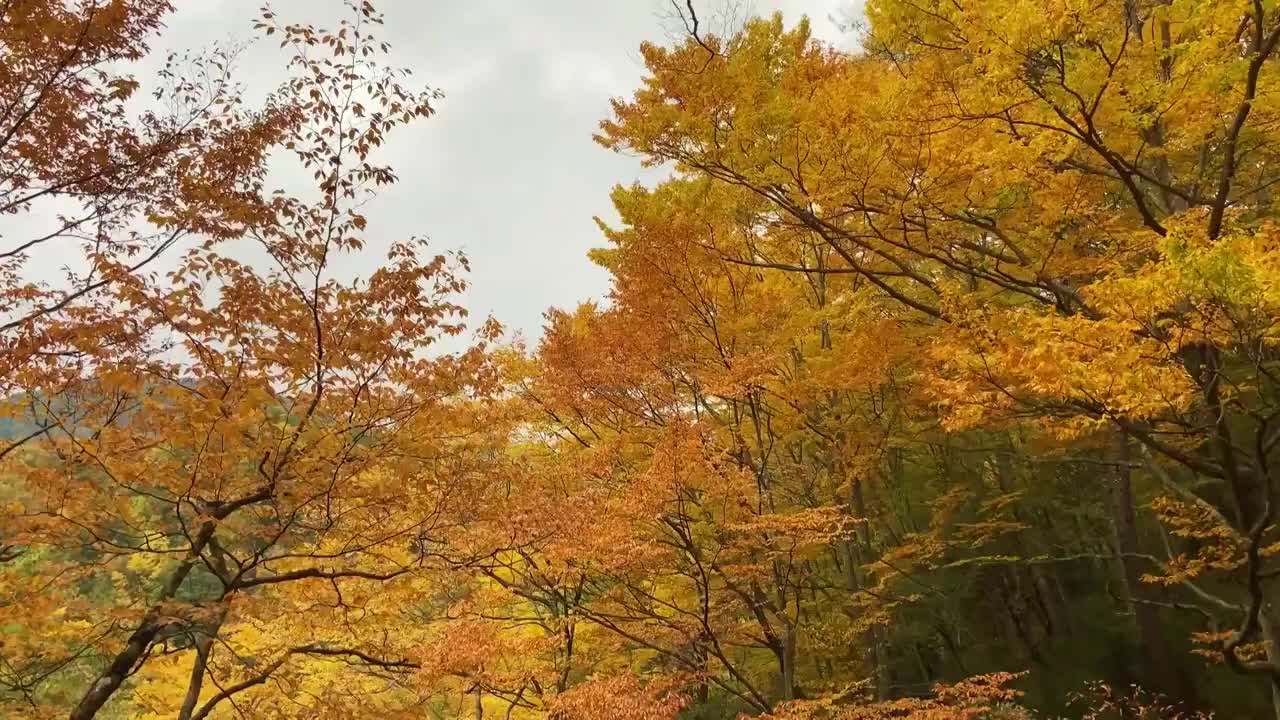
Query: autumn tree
(240, 472)
(1071, 206)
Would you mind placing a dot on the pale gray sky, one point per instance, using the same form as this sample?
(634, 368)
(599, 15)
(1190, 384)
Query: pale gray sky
(507, 170)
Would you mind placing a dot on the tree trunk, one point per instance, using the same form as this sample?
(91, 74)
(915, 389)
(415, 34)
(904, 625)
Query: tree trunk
(788, 662)
(135, 649)
(1157, 674)
(1054, 611)
(204, 646)
(879, 655)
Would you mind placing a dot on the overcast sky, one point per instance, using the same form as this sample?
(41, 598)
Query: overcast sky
(507, 170)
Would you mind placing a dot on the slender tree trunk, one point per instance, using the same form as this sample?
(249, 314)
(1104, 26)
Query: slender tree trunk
(135, 648)
(1055, 612)
(1156, 673)
(788, 661)
(204, 646)
(1271, 638)
(879, 654)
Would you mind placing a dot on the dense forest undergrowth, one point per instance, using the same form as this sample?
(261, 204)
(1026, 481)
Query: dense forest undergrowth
(938, 380)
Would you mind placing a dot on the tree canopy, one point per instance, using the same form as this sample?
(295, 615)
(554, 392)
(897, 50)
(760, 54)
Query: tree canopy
(938, 379)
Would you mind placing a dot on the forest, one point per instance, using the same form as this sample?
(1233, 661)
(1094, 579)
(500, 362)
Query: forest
(938, 379)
